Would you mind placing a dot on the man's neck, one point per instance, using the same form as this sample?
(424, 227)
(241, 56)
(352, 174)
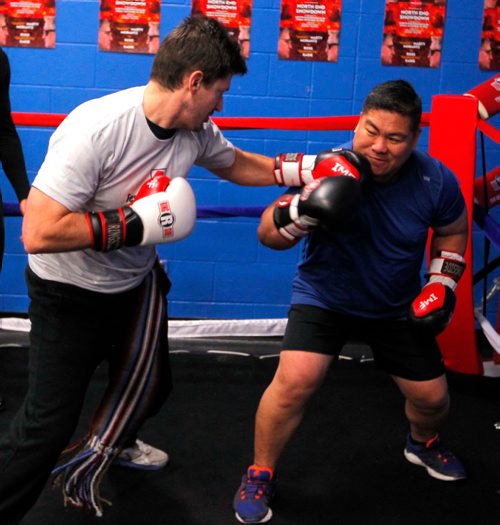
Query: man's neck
(162, 107)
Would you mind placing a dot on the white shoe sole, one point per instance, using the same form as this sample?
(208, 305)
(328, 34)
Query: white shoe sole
(412, 458)
(265, 519)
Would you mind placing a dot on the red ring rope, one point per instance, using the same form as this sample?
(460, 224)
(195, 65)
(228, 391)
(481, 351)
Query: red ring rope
(336, 123)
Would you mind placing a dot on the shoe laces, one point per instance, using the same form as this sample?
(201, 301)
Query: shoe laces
(142, 447)
(443, 454)
(255, 488)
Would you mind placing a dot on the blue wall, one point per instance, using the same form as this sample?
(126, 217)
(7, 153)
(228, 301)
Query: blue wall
(221, 271)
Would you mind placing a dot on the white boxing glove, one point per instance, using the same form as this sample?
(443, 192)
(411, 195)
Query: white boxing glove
(163, 211)
(167, 216)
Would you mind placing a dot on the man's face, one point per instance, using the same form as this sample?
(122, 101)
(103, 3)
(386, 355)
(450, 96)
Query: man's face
(153, 37)
(4, 31)
(244, 41)
(332, 46)
(386, 140)
(49, 38)
(434, 58)
(388, 50)
(485, 55)
(105, 36)
(284, 44)
(204, 101)
(49, 32)
(435, 52)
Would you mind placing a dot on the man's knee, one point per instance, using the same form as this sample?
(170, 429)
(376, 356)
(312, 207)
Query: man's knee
(430, 401)
(425, 395)
(296, 386)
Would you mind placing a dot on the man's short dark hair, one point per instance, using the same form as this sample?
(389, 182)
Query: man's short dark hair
(198, 43)
(396, 96)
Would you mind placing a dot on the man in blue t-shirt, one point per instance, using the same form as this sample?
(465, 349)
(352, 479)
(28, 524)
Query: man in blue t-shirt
(360, 279)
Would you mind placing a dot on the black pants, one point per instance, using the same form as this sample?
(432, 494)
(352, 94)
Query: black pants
(72, 332)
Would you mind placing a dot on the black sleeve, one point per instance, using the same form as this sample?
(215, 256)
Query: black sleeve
(11, 153)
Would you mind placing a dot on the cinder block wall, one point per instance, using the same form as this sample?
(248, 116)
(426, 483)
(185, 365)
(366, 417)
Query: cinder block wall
(221, 271)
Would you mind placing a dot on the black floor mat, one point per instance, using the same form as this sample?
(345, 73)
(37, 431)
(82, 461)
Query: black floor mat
(344, 466)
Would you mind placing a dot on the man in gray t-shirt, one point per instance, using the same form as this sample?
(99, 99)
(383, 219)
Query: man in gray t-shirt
(111, 187)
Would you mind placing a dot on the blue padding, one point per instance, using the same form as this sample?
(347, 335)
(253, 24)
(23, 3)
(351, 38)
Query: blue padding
(208, 212)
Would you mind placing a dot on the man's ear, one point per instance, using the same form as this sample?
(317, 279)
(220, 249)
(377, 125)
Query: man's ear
(196, 80)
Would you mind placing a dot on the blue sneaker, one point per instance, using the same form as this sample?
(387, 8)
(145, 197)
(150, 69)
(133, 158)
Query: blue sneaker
(252, 500)
(439, 462)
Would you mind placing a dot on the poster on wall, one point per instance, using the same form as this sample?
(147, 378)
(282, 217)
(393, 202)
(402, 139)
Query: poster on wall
(309, 30)
(234, 15)
(413, 33)
(28, 23)
(129, 26)
(489, 49)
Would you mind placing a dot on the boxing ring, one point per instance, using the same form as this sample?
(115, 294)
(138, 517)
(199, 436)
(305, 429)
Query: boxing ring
(454, 126)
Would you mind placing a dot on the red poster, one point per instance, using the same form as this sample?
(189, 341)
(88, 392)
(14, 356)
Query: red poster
(489, 50)
(309, 30)
(413, 33)
(27, 23)
(129, 26)
(235, 15)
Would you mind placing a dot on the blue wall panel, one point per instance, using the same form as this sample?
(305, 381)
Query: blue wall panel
(221, 270)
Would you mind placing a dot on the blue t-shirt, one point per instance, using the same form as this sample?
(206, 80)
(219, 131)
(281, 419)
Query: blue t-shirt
(371, 267)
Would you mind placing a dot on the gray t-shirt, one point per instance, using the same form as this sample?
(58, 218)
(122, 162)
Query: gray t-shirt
(97, 159)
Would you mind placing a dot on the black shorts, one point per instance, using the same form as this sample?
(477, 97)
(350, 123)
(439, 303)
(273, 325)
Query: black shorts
(397, 347)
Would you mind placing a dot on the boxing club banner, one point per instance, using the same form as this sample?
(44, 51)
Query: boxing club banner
(27, 23)
(129, 26)
(234, 15)
(309, 30)
(489, 49)
(413, 33)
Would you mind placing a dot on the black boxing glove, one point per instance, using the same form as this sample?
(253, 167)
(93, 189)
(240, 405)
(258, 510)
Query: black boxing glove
(326, 202)
(297, 169)
(433, 308)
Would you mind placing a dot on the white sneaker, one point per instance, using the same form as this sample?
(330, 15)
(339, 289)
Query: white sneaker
(142, 456)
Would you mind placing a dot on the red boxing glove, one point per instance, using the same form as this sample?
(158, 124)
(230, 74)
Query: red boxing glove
(433, 308)
(490, 187)
(297, 169)
(488, 97)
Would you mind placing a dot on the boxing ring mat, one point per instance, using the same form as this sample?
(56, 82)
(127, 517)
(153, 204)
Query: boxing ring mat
(453, 129)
